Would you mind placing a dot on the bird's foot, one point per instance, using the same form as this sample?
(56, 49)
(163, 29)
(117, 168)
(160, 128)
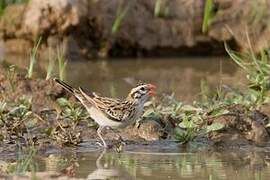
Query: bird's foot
(121, 140)
(105, 146)
(99, 144)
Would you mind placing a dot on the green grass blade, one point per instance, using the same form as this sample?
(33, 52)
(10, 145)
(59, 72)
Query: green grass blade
(157, 8)
(50, 66)
(238, 60)
(119, 18)
(33, 57)
(207, 15)
(61, 63)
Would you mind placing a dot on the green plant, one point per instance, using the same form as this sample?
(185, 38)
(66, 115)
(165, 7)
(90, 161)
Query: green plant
(50, 66)
(193, 124)
(257, 68)
(157, 8)
(187, 130)
(33, 59)
(207, 15)
(120, 14)
(189, 119)
(62, 62)
(21, 108)
(160, 11)
(72, 111)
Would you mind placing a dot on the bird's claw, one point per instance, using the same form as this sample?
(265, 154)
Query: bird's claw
(121, 140)
(99, 144)
(105, 146)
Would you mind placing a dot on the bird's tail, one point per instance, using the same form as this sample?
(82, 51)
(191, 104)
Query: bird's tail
(80, 94)
(65, 86)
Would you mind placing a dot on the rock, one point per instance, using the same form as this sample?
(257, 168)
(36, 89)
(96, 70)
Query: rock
(150, 130)
(265, 109)
(241, 127)
(53, 16)
(258, 134)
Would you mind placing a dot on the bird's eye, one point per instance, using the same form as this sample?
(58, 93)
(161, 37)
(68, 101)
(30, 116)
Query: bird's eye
(143, 88)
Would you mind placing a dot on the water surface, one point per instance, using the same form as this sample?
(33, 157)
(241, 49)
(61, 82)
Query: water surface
(181, 76)
(175, 162)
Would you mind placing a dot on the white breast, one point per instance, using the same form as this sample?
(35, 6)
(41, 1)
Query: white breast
(101, 119)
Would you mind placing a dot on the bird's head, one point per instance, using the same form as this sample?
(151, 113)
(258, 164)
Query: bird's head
(142, 92)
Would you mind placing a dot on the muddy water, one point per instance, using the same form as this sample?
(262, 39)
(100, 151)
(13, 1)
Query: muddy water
(181, 76)
(159, 162)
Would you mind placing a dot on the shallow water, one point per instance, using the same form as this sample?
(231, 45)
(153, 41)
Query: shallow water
(164, 162)
(181, 76)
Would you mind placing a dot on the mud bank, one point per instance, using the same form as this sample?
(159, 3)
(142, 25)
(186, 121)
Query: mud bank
(89, 29)
(40, 113)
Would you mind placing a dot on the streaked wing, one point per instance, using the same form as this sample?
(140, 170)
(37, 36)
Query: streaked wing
(114, 109)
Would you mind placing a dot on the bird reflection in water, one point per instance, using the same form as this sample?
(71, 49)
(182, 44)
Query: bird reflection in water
(105, 172)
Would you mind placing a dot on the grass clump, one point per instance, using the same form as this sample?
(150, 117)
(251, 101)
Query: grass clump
(62, 62)
(33, 59)
(257, 70)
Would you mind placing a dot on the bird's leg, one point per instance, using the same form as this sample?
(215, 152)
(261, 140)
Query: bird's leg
(99, 131)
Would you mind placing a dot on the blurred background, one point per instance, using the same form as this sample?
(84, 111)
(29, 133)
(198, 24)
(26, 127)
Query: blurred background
(110, 45)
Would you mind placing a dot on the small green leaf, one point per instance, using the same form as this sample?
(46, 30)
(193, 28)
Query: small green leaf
(214, 127)
(189, 108)
(62, 102)
(148, 112)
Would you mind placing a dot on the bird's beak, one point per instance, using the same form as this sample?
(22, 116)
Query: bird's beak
(151, 88)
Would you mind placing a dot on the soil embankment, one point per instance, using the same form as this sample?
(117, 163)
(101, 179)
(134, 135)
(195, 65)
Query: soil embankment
(135, 28)
(36, 112)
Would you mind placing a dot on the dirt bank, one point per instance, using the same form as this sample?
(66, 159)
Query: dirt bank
(135, 28)
(38, 112)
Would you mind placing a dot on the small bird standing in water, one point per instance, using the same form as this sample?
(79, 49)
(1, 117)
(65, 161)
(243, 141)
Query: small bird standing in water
(113, 113)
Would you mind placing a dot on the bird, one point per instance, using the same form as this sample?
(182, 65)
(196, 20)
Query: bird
(111, 112)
